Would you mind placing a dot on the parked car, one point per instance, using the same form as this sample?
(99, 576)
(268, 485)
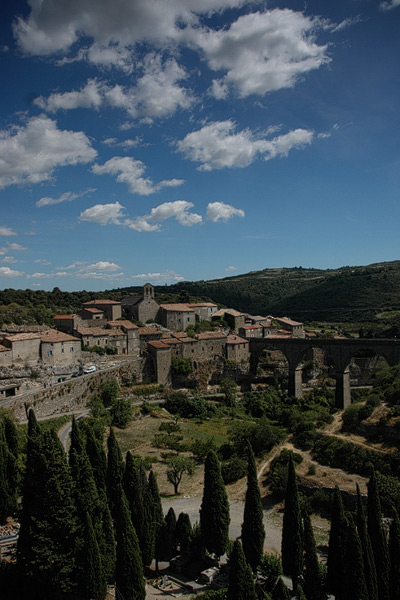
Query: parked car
(90, 369)
(77, 374)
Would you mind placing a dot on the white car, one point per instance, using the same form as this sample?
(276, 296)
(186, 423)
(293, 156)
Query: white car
(90, 369)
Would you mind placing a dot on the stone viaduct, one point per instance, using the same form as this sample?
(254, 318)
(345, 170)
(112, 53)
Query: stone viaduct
(339, 351)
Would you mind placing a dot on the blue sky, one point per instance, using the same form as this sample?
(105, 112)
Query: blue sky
(159, 141)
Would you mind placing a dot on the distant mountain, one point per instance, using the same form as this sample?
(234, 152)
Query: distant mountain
(345, 294)
(348, 294)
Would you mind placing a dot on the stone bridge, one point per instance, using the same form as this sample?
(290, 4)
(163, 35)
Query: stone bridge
(339, 351)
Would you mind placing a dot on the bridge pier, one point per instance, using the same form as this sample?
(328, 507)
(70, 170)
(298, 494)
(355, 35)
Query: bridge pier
(342, 391)
(295, 387)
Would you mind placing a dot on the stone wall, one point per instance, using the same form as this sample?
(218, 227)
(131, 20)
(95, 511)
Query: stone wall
(71, 395)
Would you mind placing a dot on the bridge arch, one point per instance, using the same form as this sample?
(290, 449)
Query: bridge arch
(340, 351)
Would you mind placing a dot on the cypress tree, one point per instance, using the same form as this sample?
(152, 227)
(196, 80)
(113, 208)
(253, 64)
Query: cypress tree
(313, 588)
(8, 478)
(241, 583)
(337, 547)
(92, 584)
(170, 533)
(378, 539)
(48, 540)
(368, 556)
(157, 518)
(300, 593)
(214, 511)
(280, 591)
(356, 587)
(292, 535)
(394, 553)
(139, 500)
(253, 532)
(97, 458)
(183, 532)
(115, 471)
(129, 580)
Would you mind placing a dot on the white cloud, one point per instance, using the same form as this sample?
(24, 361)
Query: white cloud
(217, 146)
(263, 51)
(54, 26)
(9, 259)
(103, 214)
(6, 231)
(390, 5)
(156, 94)
(160, 278)
(66, 197)
(101, 265)
(217, 211)
(12, 247)
(129, 143)
(31, 153)
(42, 261)
(98, 270)
(130, 171)
(178, 210)
(231, 268)
(7, 272)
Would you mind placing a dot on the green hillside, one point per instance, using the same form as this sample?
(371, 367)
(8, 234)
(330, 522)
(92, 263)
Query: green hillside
(368, 294)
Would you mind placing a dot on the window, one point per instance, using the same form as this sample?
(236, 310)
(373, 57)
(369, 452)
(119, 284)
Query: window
(62, 350)
(72, 349)
(50, 352)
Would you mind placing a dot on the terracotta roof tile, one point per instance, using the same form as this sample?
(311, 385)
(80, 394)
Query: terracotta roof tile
(21, 337)
(91, 302)
(177, 307)
(53, 336)
(65, 316)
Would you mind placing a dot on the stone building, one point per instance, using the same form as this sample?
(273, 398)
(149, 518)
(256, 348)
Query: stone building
(142, 308)
(211, 344)
(294, 327)
(59, 348)
(237, 349)
(131, 332)
(176, 317)
(203, 310)
(233, 318)
(251, 331)
(25, 347)
(5, 356)
(148, 334)
(111, 308)
(161, 358)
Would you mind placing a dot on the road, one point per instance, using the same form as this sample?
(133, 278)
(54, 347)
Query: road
(272, 521)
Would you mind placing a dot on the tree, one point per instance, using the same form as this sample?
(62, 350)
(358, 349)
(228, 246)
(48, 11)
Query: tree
(177, 467)
(183, 532)
(229, 388)
(8, 473)
(356, 586)
(253, 532)
(378, 538)
(368, 556)
(157, 517)
(292, 534)
(394, 553)
(280, 591)
(337, 547)
(109, 391)
(138, 496)
(214, 511)
(170, 533)
(93, 582)
(121, 412)
(312, 573)
(241, 583)
(115, 471)
(169, 427)
(48, 543)
(129, 580)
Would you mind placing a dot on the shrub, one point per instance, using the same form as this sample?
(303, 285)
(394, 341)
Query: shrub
(233, 469)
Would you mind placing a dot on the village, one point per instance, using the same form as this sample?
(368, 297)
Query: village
(137, 328)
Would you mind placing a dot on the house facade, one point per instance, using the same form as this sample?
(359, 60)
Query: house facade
(59, 348)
